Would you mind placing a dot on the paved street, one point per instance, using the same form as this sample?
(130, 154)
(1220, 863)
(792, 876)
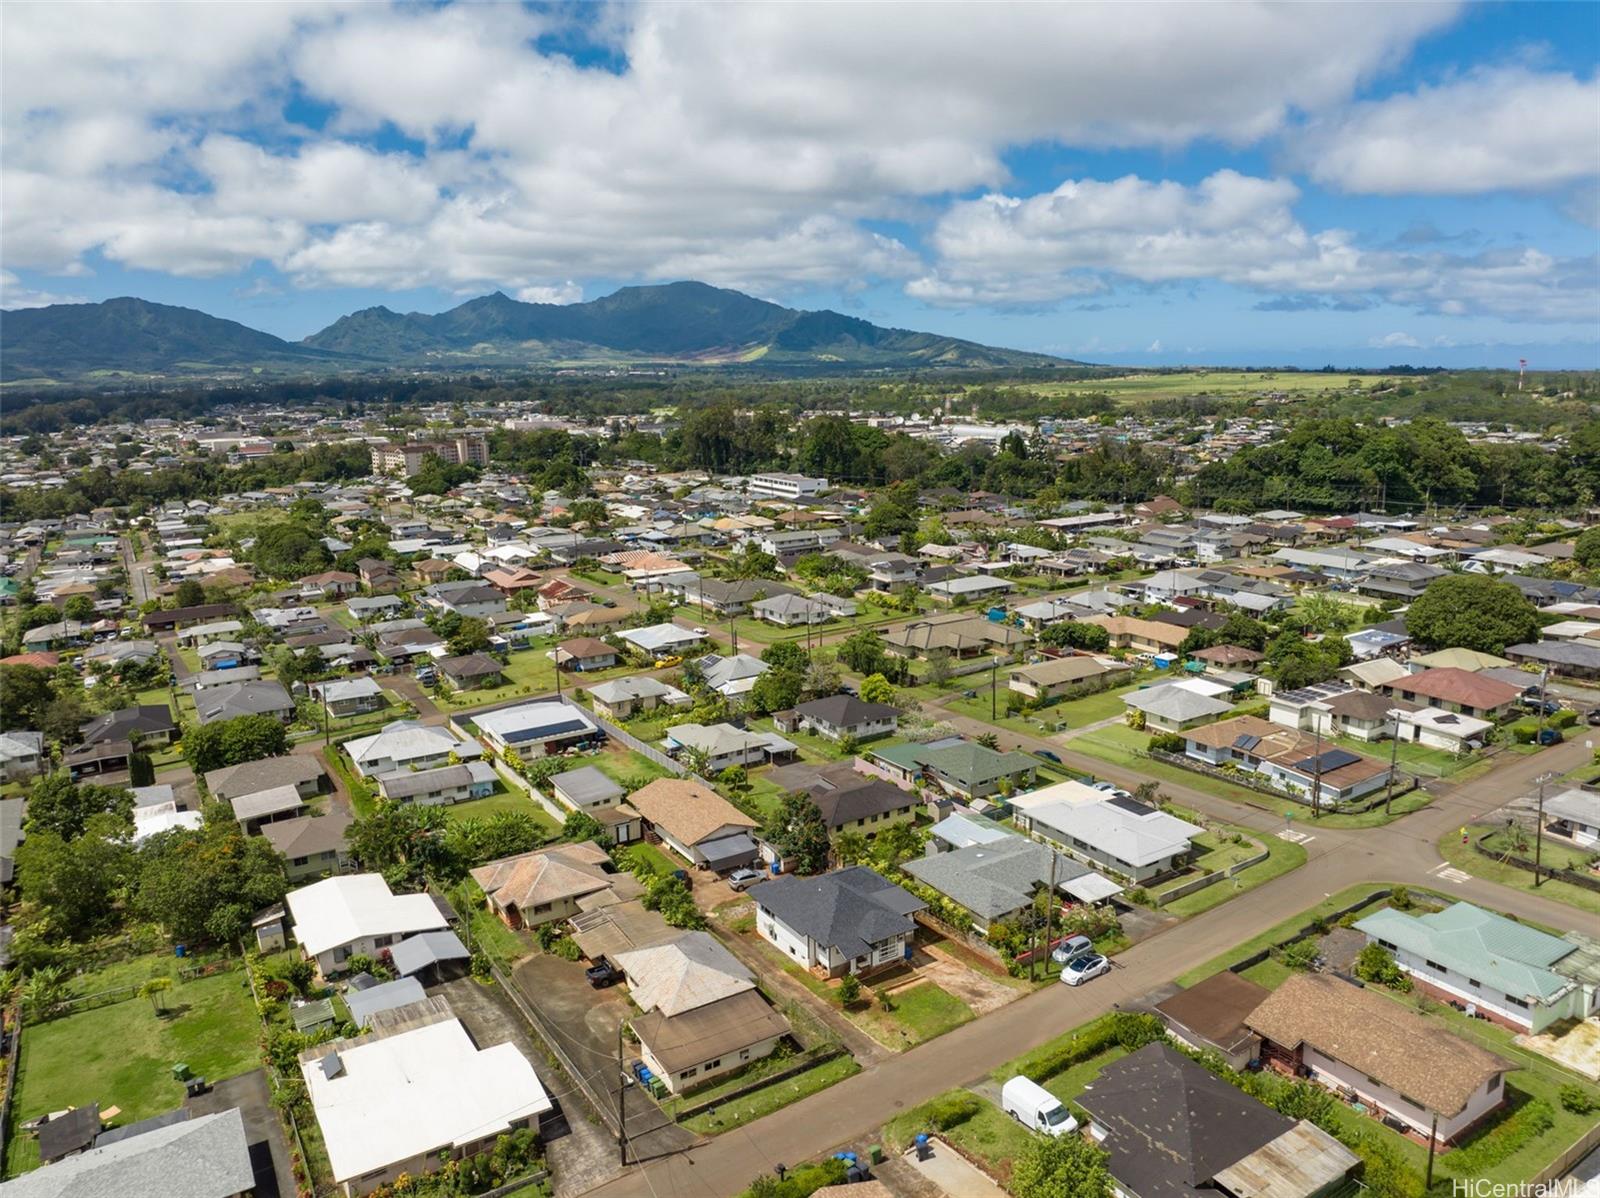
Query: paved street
(1403, 852)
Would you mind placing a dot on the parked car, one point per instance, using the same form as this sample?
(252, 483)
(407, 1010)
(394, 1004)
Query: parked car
(1551, 736)
(602, 974)
(1071, 949)
(1047, 755)
(740, 878)
(1546, 706)
(671, 659)
(969, 694)
(1593, 718)
(1075, 973)
(698, 631)
(1031, 1105)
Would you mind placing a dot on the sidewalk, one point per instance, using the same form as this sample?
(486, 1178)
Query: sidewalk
(952, 1172)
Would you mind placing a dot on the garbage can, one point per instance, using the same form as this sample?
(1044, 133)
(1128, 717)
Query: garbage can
(180, 1072)
(875, 1154)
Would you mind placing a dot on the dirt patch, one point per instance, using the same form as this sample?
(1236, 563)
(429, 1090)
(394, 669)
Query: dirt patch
(1340, 948)
(934, 963)
(1573, 1044)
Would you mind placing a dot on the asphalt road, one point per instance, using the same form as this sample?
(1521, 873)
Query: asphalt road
(1403, 852)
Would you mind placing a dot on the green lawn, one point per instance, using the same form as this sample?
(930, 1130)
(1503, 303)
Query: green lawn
(770, 1098)
(1071, 1082)
(122, 1055)
(529, 672)
(1118, 744)
(504, 799)
(816, 747)
(622, 765)
(919, 1013)
(1465, 857)
(1282, 858)
(658, 862)
(991, 1137)
(766, 795)
(978, 709)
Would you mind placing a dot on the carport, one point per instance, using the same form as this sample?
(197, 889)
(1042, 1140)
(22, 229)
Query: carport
(728, 852)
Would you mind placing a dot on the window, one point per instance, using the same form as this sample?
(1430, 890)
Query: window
(1390, 945)
(710, 1065)
(1435, 966)
(690, 1072)
(1494, 1083)
(1517, 1002)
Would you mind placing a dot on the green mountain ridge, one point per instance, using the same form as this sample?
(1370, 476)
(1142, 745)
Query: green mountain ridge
(689, 323)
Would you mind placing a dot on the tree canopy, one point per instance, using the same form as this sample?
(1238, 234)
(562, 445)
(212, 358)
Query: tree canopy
(1472, 611)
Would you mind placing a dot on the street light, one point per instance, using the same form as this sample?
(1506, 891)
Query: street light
(1538, 831)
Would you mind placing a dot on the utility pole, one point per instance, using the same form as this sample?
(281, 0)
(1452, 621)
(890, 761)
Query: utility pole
(1538, 831)
(1394, 758)
(1316, 778)
(994, 682)
(1433, 1141)
(1050, 910)
(622, 1092)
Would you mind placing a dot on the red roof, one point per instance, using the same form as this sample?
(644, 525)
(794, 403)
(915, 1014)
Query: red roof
(1450, 685)
(43, 661)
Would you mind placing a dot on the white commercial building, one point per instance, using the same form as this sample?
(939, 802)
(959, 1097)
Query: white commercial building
(786, 486)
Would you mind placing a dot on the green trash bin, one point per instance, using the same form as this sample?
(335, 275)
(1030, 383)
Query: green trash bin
(180, 1072)
(875, 1154)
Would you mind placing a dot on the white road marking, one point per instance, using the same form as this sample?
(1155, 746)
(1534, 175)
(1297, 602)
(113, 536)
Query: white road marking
(1449, 873)
(1294, 837)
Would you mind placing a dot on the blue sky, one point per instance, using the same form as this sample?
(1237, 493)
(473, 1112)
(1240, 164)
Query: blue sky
(1360, 185)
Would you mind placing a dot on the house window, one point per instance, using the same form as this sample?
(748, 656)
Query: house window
(690, 1072)
(710, 1065)
(1494, 1083)
(1517, 1002)
(1435, 966)
(1392, 947)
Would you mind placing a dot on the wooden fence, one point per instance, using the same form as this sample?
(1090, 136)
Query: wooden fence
(1572, 876)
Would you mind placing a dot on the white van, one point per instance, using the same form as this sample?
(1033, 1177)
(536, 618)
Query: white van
(1031, 1105)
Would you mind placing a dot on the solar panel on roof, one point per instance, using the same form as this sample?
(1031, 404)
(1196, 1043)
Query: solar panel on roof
(1331, 760)
(1246, 742)
(1129, 805)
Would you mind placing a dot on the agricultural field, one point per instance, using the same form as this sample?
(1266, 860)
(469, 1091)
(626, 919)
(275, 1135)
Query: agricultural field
(1178, 385)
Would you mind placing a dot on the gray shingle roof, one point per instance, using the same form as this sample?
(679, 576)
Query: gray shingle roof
(991, 880)
(850, 910)
(198, 1158)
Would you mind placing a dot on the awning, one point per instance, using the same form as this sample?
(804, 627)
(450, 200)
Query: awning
(1091, 888)
(728, 852)
(416, 953)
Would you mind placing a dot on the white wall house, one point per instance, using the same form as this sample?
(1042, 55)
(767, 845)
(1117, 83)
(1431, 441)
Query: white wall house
(343, 917)
(849, 921)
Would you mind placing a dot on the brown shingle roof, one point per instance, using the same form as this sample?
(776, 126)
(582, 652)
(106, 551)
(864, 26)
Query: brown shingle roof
(709, 1032)
(544, 875)
(1450, 685)
(688, 811)
(1402, 1050)
(1216, 1009)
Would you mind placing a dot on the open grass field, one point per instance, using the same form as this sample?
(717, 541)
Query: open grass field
(1178, 385)
(122, 1055)
(504, 799)
(919, 1013)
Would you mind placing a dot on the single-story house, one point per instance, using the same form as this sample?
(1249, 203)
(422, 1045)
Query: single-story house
(1141, 636)
(177, 1155)
(956, 635)
(244, 698)
(623, 698)
(1357, 1042)
(1120, 835)
(955, 765)
(396, 1101)
(1210, 1016)
(265, 806)
(998, 881)
(969, 588)
(299, 770)
(661, 639)
(851, 921)
(406, 744)
(385, 996)
(356, 915)
(584, 653)
(545, 886)
(1442, 729)
(1575, 659)
(696, 823)
(21, 754)
(151, 723)
(1287, 759)
(102, 757)
(535, 729)
(1512, 974)
(1170, 1126)
(724, 745)
(864, 805)
(585, 788)
(206, 679)
(471, 671)
(348, 696)
(731, 676)
(1575, 814)
(315, 845)
(1052, 679)
(791, 609)
(1175, 706)
(440, 786)
(838, 716)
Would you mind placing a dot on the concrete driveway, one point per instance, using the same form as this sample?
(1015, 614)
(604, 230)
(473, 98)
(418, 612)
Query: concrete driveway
(583, 1022)
(263, 1133)
(581, 1151)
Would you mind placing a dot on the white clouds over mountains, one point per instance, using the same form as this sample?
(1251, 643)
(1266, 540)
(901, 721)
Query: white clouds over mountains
(762, 146)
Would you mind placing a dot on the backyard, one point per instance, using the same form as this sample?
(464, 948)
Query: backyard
(504, 799)
(990, 1137)
(726, 1116)
(122, 1055)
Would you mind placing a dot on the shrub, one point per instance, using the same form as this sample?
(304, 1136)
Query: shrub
(1375, 964)
(849, 989)
(952, 1109)
(1400, 899)
(1166, 742)
(1044, 1063)
(1133, 1030)
(1302, 954)
(1487, 1149)
(1578, 1100)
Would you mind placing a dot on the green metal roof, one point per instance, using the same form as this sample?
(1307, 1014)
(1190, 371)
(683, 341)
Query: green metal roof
(1511, 957)
(968, 763)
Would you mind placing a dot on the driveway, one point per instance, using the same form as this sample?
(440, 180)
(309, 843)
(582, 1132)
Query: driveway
(269, 1151)
(581, 1151)
(582, 1025)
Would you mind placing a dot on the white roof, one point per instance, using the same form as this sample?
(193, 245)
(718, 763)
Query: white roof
(162, 817)
(273, 801)
(400, 1096)
(660, 636)
(406, 740)
(1446, 721)
(510, 722)
(1114, 826)
(337, 911)
(1062, 792)
(347, 688)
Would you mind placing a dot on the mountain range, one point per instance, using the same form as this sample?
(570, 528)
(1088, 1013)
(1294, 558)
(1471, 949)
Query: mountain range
(691, 324)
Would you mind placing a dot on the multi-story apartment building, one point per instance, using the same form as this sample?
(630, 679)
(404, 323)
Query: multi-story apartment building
(468, 448)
